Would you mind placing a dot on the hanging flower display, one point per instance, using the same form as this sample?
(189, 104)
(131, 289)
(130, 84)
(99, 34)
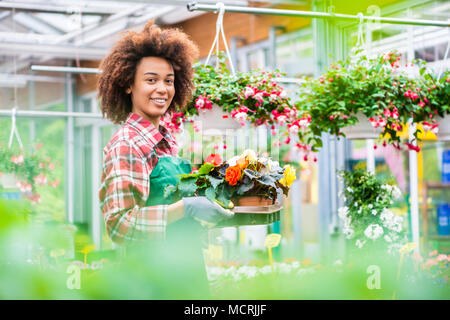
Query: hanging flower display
(26, 170)
(375, 88)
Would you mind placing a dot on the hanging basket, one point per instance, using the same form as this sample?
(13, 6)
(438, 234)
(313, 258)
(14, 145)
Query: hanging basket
(8, 180)
(362, 129)
(443, 133)
(216, 119)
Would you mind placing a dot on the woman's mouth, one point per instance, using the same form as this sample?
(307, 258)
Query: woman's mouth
(161, 102)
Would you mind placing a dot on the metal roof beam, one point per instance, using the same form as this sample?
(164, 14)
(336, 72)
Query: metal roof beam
(63, 9)
(55, 50)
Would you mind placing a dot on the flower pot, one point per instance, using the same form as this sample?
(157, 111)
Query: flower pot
(362, 129)
(443, 133)
(216, 120)
(8, 180)
(252, 201)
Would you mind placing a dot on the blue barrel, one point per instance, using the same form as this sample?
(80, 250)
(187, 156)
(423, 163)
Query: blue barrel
(446, 166)
(443, 215)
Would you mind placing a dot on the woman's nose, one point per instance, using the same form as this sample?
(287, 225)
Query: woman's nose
(161, 87)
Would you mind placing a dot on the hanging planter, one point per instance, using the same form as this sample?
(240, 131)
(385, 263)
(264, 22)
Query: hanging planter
(26, 170)
(443, 133)
(216, 119)
(8, 180)
(362, 129)
(380, 88)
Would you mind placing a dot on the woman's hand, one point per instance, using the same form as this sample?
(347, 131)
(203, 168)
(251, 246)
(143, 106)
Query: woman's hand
(206, 212)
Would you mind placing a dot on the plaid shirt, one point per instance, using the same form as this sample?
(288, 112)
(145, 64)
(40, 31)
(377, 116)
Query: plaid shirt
(128, 160)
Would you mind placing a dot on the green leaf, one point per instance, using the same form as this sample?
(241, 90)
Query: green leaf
(206, 168)
(187, 187)
(245, 187)
(169, 190)
(210, 193)
(214, 181)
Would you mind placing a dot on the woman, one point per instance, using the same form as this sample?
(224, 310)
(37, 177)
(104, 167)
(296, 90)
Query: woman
(146, 75)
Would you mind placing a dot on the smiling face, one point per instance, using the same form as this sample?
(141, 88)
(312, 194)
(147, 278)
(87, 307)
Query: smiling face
(153, 88)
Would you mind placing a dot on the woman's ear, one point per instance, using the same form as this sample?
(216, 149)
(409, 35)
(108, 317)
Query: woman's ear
(128, 91)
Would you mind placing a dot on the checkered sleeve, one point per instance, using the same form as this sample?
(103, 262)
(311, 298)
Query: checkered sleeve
(124, 190)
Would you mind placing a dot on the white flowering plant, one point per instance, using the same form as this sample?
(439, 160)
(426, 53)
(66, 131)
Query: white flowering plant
(367, 217)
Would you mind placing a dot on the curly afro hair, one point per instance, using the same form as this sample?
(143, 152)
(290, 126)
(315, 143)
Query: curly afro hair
(119, 68)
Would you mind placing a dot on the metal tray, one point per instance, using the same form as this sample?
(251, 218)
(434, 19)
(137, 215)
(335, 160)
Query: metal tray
(253, 215)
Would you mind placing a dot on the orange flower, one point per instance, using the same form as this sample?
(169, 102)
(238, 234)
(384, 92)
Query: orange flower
(242, 162)
(233, 174)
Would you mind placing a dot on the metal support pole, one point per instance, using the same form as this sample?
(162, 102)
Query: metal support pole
(370, 155)
(65, 69)
(414, 187)
(312, 14)
(273, 45)
(50, 114)
(69, 151)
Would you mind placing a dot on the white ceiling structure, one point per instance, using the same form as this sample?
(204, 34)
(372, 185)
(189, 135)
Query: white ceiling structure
(57, 31)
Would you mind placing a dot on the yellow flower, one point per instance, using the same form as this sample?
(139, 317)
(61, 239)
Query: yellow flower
(289, 176)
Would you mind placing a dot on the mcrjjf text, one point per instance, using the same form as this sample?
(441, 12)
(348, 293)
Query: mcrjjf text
(245, 309)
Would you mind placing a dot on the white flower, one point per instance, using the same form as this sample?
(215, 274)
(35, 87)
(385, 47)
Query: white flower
(348, 232)
(360, 210)
(250, 155)
(342, 212)
(386, 217)
(374, 212)
(265, 270)
(356, 204)
(240, 116)
(273, 165)
(360, 243)
(396, 193)
(349, 189)
(387, 187)
(373, 231)
(293, 129)
(232, 161)
(370, 206)
(387, 238)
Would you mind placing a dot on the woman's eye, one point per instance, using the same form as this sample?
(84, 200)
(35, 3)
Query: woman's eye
(151, 80)
(170, 81)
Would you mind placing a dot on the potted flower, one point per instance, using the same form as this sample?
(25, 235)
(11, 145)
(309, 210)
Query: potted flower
(368, 220)
(25, 171)
(245, 181)
(374, 91)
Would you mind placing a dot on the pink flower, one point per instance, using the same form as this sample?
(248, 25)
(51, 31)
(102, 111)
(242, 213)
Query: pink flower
(281, 119)
(433, 253)
(249, 92)
(259, 97)
(38, 146)
(387, 113)
(200, 102)
(51, 166)
(40, 179)
(421, 104)
(441, 257)
(287, 140)
(55, 183)
(293, 128)
(18, 159)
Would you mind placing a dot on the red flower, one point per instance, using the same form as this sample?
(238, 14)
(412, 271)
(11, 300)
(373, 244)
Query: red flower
(214, 159)
(233, 174)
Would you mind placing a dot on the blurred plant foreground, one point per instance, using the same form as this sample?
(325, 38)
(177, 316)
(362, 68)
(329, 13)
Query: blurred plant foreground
(35, 264)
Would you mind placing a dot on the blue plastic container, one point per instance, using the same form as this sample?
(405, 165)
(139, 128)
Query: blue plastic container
(446, 166)
(443, 216)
